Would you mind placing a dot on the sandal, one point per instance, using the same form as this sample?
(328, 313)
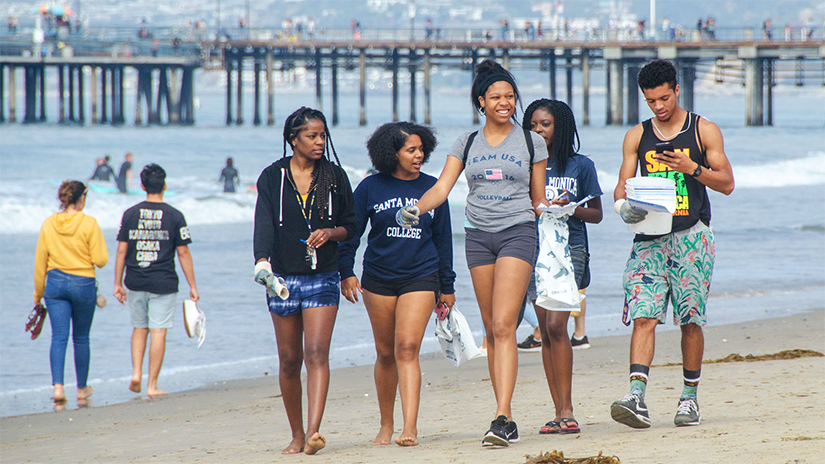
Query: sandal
(36, 319)
(567, 428)
(550, 428)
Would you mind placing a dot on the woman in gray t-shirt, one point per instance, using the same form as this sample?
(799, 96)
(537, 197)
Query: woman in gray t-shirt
(499, 222)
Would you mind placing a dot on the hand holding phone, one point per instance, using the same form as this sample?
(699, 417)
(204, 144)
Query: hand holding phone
(441, 310)
(662, 147)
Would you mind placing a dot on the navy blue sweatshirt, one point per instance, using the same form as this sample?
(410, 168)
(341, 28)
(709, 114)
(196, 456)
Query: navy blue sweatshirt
(280, 226)
(395, 253)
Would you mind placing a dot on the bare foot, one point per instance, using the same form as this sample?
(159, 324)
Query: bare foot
(316, 443)
(83, 393)
(295, 446)
(135, 385)
(407, 439)
(151, 392)
(59, 394)
(384, 436)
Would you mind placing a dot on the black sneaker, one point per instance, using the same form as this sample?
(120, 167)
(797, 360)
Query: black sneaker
(582, 344)
(502, 432)
(529, 343)
(630, 411)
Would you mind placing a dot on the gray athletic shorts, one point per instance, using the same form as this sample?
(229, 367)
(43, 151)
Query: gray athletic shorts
(518, 241)
(150, 310)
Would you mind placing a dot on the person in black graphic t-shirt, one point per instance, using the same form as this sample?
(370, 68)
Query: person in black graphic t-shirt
(676, 266)
(151, 232)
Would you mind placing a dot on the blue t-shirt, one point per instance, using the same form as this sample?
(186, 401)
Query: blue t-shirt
(395, 253)
(580, 179)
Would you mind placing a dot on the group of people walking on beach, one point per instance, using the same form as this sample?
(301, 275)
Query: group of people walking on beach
(308, 226)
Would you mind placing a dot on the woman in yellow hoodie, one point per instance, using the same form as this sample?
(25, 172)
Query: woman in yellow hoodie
(69, 247)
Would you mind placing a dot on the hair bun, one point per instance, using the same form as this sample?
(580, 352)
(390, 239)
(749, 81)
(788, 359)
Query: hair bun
(489, 65)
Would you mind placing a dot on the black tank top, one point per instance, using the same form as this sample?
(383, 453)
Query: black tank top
(692, 203)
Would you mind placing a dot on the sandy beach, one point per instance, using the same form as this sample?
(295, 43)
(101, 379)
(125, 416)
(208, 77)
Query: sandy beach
(755, 412)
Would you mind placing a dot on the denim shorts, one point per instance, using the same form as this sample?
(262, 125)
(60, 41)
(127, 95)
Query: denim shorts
(581, 271)
(384, 287)
(307, 291)
(150, 310)
(519, 241)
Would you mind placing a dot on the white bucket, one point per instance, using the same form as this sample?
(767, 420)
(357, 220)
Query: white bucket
(653, 224)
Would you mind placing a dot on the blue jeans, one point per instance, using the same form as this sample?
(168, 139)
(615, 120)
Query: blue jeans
(71, 300)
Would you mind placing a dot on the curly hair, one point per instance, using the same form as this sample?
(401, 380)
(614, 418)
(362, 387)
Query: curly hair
(385, 143)
(565, 143)
(489, 72)
(656, 73)
(70, 192)
(323, 176)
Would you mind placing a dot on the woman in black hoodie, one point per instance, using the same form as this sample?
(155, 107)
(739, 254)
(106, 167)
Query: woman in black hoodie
(304, 206)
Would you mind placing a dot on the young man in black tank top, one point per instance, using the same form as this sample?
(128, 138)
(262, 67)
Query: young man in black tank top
(676, 266)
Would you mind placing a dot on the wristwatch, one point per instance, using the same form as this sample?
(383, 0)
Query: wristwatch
(698, 170)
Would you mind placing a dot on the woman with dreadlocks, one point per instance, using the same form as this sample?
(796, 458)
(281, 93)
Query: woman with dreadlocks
(304, 207)
(570, 177)
(504, 167)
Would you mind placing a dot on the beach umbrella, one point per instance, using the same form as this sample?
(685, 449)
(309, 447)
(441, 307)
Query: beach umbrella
(57, 9)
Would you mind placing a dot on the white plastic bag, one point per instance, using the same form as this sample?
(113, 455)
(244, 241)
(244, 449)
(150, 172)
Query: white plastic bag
(556, 287)
(456, 338)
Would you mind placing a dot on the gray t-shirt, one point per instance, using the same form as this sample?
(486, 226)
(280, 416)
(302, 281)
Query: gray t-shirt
(498, 179)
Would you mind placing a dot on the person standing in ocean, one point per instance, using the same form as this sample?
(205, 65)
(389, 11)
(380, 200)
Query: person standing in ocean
(571, 177)
(69, 247)
(505, 169)
(304, 207)
(125, 177)
(230, 177)
(679, 265)
(406, 271)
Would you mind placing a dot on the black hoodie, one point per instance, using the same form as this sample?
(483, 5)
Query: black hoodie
(280, 226)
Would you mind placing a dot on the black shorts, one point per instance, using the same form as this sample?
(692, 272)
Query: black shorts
(384, 287)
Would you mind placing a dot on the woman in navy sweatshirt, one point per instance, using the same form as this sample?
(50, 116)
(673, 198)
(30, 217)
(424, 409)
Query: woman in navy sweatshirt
(304, 206)
(406, 271)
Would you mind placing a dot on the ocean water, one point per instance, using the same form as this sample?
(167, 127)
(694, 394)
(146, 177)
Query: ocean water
(770, 232)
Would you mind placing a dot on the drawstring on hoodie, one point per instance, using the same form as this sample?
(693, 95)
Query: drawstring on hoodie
(281, 208)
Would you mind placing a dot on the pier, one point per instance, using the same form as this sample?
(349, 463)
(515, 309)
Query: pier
(165, 93)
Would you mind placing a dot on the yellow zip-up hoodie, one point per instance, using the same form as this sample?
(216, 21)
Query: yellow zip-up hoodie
(70, 242)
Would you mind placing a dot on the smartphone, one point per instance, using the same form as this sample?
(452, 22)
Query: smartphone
(441, 311)
(661, 147)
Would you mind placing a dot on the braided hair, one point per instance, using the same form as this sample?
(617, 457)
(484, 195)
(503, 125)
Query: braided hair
(565, 143)
(323, 176)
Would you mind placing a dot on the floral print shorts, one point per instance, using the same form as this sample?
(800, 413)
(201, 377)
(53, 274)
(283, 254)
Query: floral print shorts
(676, 267)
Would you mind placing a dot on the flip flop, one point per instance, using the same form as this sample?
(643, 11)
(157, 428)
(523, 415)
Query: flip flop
(568, 429)
(550, 428)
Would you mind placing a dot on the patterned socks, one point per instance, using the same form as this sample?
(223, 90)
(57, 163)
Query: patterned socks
(691, 383)
(638, 378)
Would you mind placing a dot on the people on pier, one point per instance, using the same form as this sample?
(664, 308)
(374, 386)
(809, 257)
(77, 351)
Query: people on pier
(500, 224)
(304, 207)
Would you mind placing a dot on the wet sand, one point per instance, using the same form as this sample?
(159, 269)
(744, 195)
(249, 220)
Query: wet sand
(755, 412)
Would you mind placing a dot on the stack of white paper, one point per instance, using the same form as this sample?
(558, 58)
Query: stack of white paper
(657, 196)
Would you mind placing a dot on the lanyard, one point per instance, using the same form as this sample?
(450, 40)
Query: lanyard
(308, 205)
